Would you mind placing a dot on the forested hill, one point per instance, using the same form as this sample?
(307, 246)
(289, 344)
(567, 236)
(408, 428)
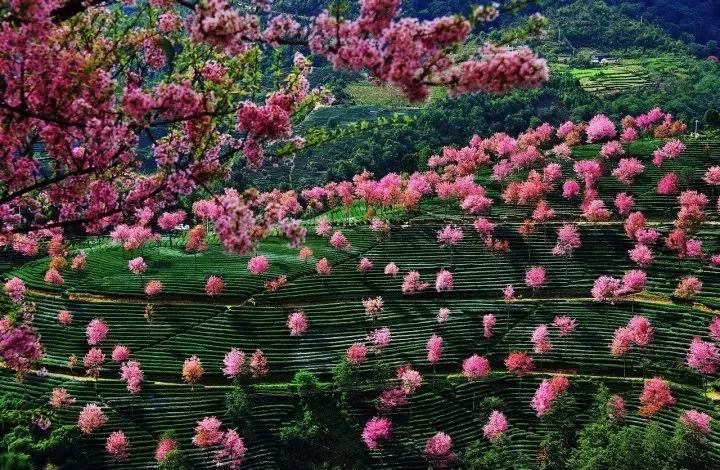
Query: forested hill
(696, 22)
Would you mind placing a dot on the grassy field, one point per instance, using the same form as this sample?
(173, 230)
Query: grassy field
(187, 322)
(625, 76)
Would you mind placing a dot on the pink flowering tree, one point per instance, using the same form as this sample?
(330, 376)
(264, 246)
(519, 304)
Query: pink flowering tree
(89, 117)
(475, 367)
(449, 237)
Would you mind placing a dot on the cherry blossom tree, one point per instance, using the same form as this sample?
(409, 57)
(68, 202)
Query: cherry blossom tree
(655, 397)
(90, 115)
(496, 427)
(438, 450)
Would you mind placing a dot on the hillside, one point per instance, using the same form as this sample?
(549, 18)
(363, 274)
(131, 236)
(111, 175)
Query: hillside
(186, 322)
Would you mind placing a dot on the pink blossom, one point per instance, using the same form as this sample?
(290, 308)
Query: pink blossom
(52, 276)
(322, 267)
(165, 445)
(15, 288)
(617, 407)
(622, 341)
(117, 446)
(595, 211)
(376, 429)
(91, 419)
(438, 449)
(668, 184)
(628, 169)
(688, 287)
(234, 362)
(120, 353)
(412, 283)
(64, 317)
(170, 220)
(258, 265)
(132, 375)
(137, 265)
(712, 176)
(714, 329)
(489, 321)
(60, 398)
(391, 269)
(410, 378)
(496, 426)
(297, 323)
(434, 349)
(93, 361)
(565, 324)
(475, 367)
(323, 228)
(214, 286)
(192, 370)
(258, 364)
(642, 255)
(373, 306)
(535, 277)
(79, 261)
(600, 127)
(153, 288)
(339, 241)
(703, 356)
(356, 354)
(647, 236)
(655, 397)
(641, 330)
(509, 294)
(611, 149)
(541, 339)
(606, 288)
(450, 235)
(519, 363)
(443, 315)
(547, 392)
(392, 398)
(633, 281)
(624, 203)
(484, 227)
(365, 265)
(444, 281)
(305, 253)
(571, 189)
(693, 249)
(628, 135)
(233, 450)
(697, 421)
(379, 338)
(96, 331)
(568, 240)
(670, 151)
(208, 432)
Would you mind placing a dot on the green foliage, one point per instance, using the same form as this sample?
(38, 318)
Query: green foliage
(301, 440)
(557, 444)
(174, 460)
(482, 455)
(712, 118)
(22, 443)
(307, 386)
(237, 408)
(594, 438)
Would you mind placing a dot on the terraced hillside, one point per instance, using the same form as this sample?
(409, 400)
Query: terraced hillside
(186, 322)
